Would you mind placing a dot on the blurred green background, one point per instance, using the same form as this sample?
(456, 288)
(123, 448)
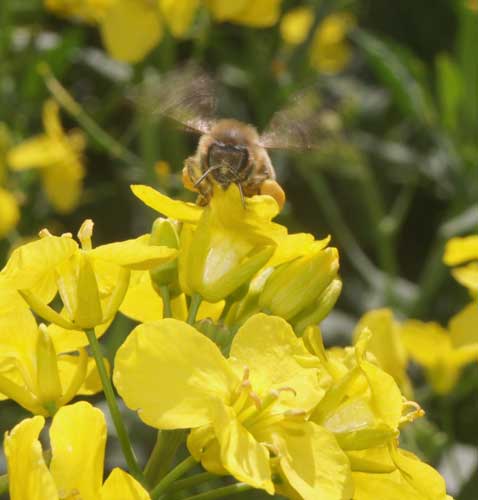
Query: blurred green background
(394, 178)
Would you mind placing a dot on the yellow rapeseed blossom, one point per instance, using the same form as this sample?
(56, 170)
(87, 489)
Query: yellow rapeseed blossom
(329, 51)
(255, 13)
(58, 156)
(248, 413)
(223, 245)
(87, 10)
(464, 251)
(37, 369)
(386, 344)
(443, 353)
(77, 439)
(364, 409)
(9, 212)
(92, 282)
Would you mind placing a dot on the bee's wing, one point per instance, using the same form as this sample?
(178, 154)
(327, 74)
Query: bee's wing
(186, 95)
(301, 125)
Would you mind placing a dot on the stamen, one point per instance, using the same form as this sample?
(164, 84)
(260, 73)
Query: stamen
(44, 233)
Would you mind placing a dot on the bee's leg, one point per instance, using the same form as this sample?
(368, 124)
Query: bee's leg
(273, 188)
(191, 174)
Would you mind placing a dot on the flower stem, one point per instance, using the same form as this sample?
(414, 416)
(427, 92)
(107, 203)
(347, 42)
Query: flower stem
(196, 300)
(192, 481)
(224, 492)
(174, 474)
(100, 136)
(159, 462)
(165, 296)
(3, 484)
(113, 406)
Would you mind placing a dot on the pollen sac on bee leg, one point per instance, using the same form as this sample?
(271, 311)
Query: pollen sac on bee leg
(273, 188)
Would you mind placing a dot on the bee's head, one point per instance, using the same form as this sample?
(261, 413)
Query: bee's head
(228, 155)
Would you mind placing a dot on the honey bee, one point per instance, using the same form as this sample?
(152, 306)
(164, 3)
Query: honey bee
(230, 151)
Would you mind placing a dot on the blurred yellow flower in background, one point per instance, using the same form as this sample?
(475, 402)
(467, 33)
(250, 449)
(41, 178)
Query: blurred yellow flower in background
(132, 28)
(9, 212)
(464, 251)
(443, 353)
(329, 51)
(58, 156)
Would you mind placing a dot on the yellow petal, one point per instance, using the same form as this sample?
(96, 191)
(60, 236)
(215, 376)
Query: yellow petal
(135, 254)
(257, 13)
(29, 263)
(459, 250)
(9, 212)
(467, 276)
(28, 475)
(313, 463)
(178, 370)
(174, 209)
(141, 302)
(63, 184)
(223, 11)
(121, 485)
(68, 365)
(178, 14)
(268, 346)
(425, 342)
(386, 343)
(463, 327)
(51, 120)
(131, 29)
(38, 152)
(295, 25)
(78, 438)
(241, 454)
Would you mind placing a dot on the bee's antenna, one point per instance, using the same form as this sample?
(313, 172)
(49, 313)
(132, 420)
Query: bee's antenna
(206, 173)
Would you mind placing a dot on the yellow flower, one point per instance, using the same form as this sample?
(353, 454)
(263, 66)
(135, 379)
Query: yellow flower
(295, 25)
(37, 369)
(255, 13)
(443, 353)
(248, 412)
(411, 478)
(364, 409)
(92, 282)
(77, 439)
(132, 28)
(58, 156)
(386, 345)
(461, 251)
(329, 51)
(223, 245)
(9, 212)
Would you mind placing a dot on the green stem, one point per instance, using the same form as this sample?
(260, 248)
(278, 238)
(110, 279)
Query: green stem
(166, 297)
(113, 406)
(224, 492)
(159, 463)
(99, 135)
(196, 300)
(345, 238)
(192, 481)
(3, 484)
(174, 474)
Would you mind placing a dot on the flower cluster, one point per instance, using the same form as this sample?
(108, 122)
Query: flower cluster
(227, 348)
(130, 29)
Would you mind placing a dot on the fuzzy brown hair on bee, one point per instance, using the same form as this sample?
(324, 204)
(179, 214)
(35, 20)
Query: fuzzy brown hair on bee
(231, 154)
(230, 151)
